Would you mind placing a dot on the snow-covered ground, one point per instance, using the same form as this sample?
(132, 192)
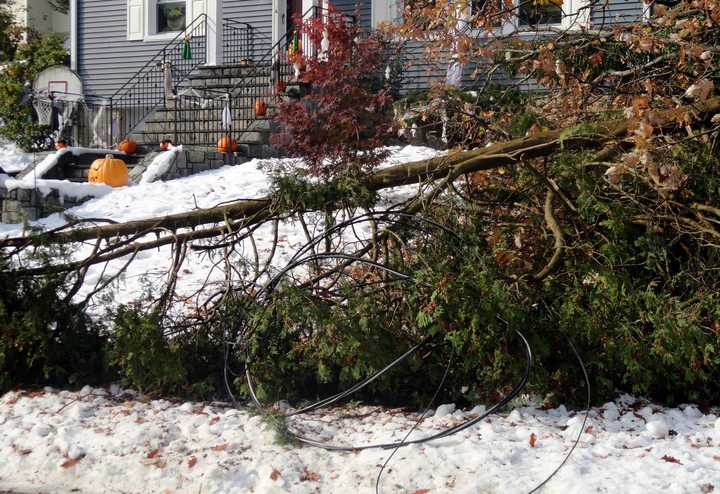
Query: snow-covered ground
(204, 190)
(13, 159)
(98, 440)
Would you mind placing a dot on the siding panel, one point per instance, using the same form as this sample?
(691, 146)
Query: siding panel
(106, 59)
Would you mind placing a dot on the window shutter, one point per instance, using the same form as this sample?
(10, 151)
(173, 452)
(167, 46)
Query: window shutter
(197, 7)
(135, 19)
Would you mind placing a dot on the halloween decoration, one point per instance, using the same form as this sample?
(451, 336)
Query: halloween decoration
(108, 170)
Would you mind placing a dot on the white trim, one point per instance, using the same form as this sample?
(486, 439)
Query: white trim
(73, 35)
(383, 11)
(279, 19)
(149, 38)
(213, 36)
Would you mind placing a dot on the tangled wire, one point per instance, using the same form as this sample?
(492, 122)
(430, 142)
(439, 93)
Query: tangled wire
(307, 255)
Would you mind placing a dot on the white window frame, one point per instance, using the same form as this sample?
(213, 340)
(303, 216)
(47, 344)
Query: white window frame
(576, 16)
(148, 13)
(151, 33)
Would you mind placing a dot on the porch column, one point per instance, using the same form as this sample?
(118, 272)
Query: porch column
(307, 5)
(214, 35)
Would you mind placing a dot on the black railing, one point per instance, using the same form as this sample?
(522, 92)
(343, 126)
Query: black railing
(269, 76)
(238, 42)
(102, 122)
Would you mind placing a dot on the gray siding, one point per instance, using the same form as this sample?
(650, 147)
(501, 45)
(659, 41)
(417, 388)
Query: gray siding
(360, 8)
(419, 73)
(610, 12)
(257, 13)
(105, 58)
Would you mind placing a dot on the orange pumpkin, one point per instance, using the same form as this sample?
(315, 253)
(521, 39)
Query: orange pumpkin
(108, 170)
(227, 144)
(60, 144)
(127, 146)
(260, 108)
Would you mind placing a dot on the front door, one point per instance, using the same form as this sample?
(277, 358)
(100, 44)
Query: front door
(294, 12)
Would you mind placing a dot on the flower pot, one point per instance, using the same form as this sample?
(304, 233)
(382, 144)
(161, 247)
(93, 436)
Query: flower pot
(176, 23)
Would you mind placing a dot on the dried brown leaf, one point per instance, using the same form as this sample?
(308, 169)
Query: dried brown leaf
(533, 439)
(70, 462)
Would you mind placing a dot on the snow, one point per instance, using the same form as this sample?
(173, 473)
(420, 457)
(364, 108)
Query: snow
(65, 188)
(160, 165)
(13, 159)
(115, 440)
(204, 190)
(44, 166)
(111, 440)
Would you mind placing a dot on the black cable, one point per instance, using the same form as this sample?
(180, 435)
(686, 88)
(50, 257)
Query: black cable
(416, 424)
(299, 258)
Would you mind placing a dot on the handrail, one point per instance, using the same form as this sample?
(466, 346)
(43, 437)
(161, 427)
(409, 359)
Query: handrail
(188, 30)
(276, 59)
(147, 88)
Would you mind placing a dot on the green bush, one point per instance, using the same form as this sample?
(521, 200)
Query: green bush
(16, 112)
(43, 338)
(188, 364)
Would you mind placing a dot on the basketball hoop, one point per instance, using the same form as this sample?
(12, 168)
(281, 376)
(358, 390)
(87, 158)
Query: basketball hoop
(43, 108)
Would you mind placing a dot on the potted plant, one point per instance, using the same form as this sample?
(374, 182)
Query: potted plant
(175, 19)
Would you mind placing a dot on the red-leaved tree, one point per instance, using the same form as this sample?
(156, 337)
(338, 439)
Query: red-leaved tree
(338, 126)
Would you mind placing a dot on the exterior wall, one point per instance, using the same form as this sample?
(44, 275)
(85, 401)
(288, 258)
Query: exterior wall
(420, 74)
(40, 16)
(257, 13)
(617, 12)
(106, 59)
(360, 8)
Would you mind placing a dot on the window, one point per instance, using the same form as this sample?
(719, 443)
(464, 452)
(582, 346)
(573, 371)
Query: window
(537, 13)
(419, 13)
(170, 16)
(486, 13)
(158, 20)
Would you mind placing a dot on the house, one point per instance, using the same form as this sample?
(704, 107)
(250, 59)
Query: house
(221, 56)
(40, 16)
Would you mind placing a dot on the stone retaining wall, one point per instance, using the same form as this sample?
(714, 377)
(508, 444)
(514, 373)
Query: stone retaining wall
(19, 205)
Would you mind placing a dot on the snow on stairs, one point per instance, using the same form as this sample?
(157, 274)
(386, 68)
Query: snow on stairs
(76, 166)
(194, 119)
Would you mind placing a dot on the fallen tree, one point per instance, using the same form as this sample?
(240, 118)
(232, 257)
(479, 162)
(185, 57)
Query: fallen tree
(452, 165)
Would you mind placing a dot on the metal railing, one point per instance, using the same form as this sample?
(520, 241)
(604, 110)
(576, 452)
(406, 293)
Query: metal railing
(238, 42)
(267, 78)
(102, 121)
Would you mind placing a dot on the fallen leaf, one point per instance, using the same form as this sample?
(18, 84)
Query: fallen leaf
(533, 439)
(70, 462)
(421, 491)
(671, 459)
(214, 420)
(275, 474)
(220, 447)
(192, 462)
(153, 453)
(589, 429)
(309, 475)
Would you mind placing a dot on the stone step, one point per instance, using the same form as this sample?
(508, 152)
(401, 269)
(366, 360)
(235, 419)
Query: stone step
(199, 138)
(227, 84)
(230, 70)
